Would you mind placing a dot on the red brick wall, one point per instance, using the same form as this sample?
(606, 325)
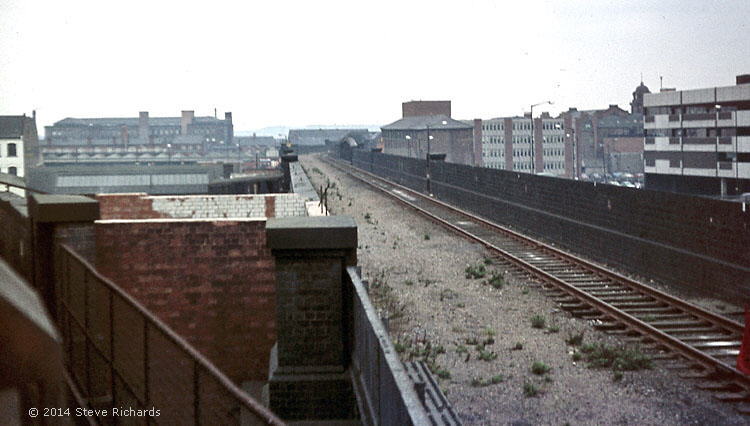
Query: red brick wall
(126, 206)
(417, 108)
(213, 282)
(623, 144)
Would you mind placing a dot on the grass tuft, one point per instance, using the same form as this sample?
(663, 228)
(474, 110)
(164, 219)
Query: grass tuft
(538, 321)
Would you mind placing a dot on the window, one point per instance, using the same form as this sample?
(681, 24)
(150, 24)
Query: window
(12, 150)
(13, 171)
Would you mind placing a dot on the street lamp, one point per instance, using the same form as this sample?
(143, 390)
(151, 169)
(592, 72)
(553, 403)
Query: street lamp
(408, 144)
(169, 152)
(239, 161)
(429, 138)
(533, 157)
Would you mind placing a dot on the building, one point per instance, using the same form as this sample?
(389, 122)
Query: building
(507, 145)
(698, 141)
(636, 105)
(426, 126)
(187, 130)
(318, 137)
(19, 144)
(597, 136)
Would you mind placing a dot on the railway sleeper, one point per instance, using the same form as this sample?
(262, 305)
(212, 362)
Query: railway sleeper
(640, 305)
(675, 325)
(651, 311)
(710, 337)
(717, 386)
(703, 328)
(628, 298)
(719, 345)
(604, 326)
(612, 293)
(732, 396)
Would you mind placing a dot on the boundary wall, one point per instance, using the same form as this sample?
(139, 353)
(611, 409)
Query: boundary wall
(692, 242)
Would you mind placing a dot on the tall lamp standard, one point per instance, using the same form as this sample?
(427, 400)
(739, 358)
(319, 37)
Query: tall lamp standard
(408, 144)
(239, 161)
(169, 152)
(429, 139)
(533, 157)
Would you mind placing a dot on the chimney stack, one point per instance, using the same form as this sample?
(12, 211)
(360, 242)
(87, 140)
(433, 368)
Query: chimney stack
(144, 131)
(187, 120)
(229, 127)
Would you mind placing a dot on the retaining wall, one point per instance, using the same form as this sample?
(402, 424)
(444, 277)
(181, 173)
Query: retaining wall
(694, 242)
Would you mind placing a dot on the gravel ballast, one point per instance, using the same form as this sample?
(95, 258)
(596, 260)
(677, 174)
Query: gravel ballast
(479, 337)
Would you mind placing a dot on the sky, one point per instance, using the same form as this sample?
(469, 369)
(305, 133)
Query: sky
(298, 63)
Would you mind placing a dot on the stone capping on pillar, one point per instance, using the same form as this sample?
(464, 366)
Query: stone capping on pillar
(308, 377)
(51, 208)
(309, 233)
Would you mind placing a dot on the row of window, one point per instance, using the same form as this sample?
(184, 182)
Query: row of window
(10, 151)
(524, 153)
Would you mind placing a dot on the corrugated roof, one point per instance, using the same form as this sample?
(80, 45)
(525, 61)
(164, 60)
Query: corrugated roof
(435, 122)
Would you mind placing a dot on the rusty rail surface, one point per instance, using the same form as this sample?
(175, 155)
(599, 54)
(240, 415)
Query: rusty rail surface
(120, 356)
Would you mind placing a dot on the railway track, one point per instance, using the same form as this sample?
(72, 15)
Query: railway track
(698, 343)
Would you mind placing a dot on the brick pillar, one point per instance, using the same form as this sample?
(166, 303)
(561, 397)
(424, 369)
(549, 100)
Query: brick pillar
(58, 219)
(307, 372)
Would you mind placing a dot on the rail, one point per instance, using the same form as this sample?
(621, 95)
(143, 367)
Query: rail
(121, 357)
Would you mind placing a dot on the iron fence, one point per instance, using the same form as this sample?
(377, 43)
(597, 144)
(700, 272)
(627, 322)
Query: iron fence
(123, 359)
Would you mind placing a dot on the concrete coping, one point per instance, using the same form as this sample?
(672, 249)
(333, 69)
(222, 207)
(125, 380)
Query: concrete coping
(182, 220)
(318, 232)
(63, 208)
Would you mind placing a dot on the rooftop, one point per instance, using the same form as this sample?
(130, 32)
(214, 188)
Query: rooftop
(422, 122)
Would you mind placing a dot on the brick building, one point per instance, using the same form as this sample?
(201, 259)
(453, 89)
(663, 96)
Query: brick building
(592, 132)
(427, 126)
(698, 141)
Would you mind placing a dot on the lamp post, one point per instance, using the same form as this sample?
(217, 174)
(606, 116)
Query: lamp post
(429, 139)
(239, 161)
(408, 144)
(169, 152)
(533, 157)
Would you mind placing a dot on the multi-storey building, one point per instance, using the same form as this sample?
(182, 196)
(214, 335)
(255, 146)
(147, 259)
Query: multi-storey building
(427, 126)
(698, 141)
(184, 133)
(507, 144)
(19, 144)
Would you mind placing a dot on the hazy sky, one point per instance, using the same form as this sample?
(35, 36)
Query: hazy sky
(354, 62)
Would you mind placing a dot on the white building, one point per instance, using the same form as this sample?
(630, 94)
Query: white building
(698, 141)
(507, 145)
(19, 145)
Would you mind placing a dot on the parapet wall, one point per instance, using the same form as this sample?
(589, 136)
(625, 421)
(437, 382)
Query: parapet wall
(142, 206)
(693, 242)
(211, 281)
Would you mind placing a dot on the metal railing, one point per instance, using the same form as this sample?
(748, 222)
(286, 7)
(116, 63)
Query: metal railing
(121, 357)
(386, 394)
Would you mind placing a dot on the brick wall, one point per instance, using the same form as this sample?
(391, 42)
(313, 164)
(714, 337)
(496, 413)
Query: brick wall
(210, 281)
(693, 242)
(142, 206)
(417, 108)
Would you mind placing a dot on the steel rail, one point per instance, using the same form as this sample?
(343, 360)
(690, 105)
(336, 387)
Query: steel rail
(703, 359)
